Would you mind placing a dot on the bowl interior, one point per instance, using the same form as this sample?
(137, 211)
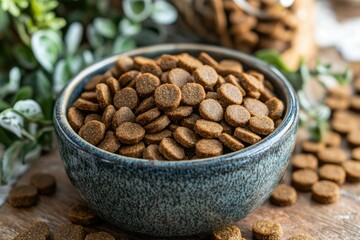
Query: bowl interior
(282, 89)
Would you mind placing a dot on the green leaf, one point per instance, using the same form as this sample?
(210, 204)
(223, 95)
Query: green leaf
(61, 76)
(14, 79)
(47, 107)
(24, 93)
(12, 122)
(164, 13)
(318, 130)
(4, 21)
(24, 56)
(273, 58)
(344, 77)
(123, 44)
(9, 158)
(93, 37)
(29, 108)
(105, 27)
(4, 138)
(88, 57)
(43, 85)
(75, 64)
(151, 35)
(73, 37)
(4, 105)
(137, 10)
(128, 27)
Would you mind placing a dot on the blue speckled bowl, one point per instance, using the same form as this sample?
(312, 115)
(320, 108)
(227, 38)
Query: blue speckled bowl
(184, 197)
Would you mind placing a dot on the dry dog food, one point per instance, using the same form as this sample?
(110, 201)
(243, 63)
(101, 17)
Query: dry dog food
(227, 233)
(45, 183)
(356, 153)
(283, 195)
(352, 169)
(69, 231)
(37, 231)
(176, 107)
(23, 196)
(99, 236)
(265, 229)
(303, 179)
(304, 161)
(332, 173)
(332, 155)
(325, 192)
(82, 215)
(301, 236)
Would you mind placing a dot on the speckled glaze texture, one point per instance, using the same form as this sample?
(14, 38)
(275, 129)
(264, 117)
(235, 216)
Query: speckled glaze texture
(177, 198)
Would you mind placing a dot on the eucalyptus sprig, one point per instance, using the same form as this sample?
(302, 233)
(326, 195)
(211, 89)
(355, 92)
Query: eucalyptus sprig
(314, 114)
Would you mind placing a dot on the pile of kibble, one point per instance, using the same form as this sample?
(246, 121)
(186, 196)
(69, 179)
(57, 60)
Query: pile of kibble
(176, 107)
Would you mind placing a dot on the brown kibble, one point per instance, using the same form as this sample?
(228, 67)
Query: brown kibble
(325, 192)
(265, 94)
(158, 124)
(250, 83)
(230, 142)
(81, 214)
(206, 76)
(75, 118)
(108, 115)
(332, 173)
(90, 96)
(124, 64)
(167, 97)
(44, 183)
(164, 77)
(91, 85)
(265, 229)
(146, 84)
(237, 116)
(190, 121)
(332, 155)
(145, 105)
(208, 60)
(276, 108)
(332, 139)
(303, 179)
(128, 77)
(188, 62)
(256, 107)
(69, 231)
(37, 231)
(212, 95)
(230, 94)
(186, 137)
(99, 236)
(211, 109)
(337, 103)
(278, 122)
(124, 114)
(231, 79)
(254, 94)
(151, 138)
(93, 132)
(171, 150)
(178, 77)
(173, 127)
(283, 195)
(113, 85)
(148, 116)
(86, 105)
(312, 146)
(261, 125)
(23, 196)
(168, 62)
(134, 151)
(353, 138)
(103, 95)
(180, 112)
(301, 236)
(92, 116)
(342, 126)
(227, 233)
(208, 129)
(126, 97)
(246, 135)
(208, 148)
(192, 94)
(352, 169)
(151, 67)
(256, 74)
(110, 142)
(229, 66)
(130, 133)
(304, 161)
(226, 128)
(357, 84)
(355, 103)
(140, 60)
(152, 153)
(356, 153)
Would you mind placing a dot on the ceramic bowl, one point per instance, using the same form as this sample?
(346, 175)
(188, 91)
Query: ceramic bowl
(177, 198)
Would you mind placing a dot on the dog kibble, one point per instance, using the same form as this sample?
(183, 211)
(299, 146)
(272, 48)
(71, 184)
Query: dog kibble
(23, 196)
(301, 236)
(45, 183)
(312, 146)
(352, 169)
(227, 233)
(37, 231)
(332, 173)
(304, 161)
(303, 179)
(267, 230)
(333, 155)
(176, 107)
(355, 153)
(353, 137)
(99, 236)
(283, 195)
(69, 231)
(325, 192)
(332, 139)
(82, 215)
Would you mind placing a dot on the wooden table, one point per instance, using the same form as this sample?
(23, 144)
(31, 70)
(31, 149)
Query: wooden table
(337, 221)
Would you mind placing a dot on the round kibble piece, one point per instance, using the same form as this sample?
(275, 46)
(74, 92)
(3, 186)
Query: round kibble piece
(167, 97)
(208, 148)
(134, 151)
(110, 143)
(75, 118)
(237, 116)
(356, 153)
(82, 215)
(332, 139)
(168, 62)
(45, 183)
(303, 179)
(124, 63)
(146, 84)
(208, 60)
(148, 116)
(261, 125)
(211, 109)
(231, 142)
(108, 115)
(86, 105)
(342, 126)
(69, 231)
(283, 195)
(152, 153)
(37, 231)
(275, 107)
(265, 229)
(304, 161)
(130, 133)
(93, 132)
(212, 95)
(352, 169)
(301, 236)
(325, 192)
(90, 96)
(332, 173)
(126, 97)
(256, 107)
(230, 94)
(104, 96)
(226, 128)
(355, 103)
(92, 116)
(171, 150)
(192, 94)
(226, 233)
(113, 84)
(123, 115)
(250, 83)
(23, 196)
(208, 129)
(140, 60)
(353, 137)
(190, 121)
(145, 105)
(337, 103)
(128, 77)
(206, 76)
(180, 112)
(186, 137)
(91, 85)
(246, 135)
(332, 155)
(312, 146)
(178, 76)
(99, 236)
(151, 138)
(188, 62)
(158, 124)
(151, 67)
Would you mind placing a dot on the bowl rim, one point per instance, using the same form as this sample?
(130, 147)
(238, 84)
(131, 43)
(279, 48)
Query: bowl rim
(290, 118)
